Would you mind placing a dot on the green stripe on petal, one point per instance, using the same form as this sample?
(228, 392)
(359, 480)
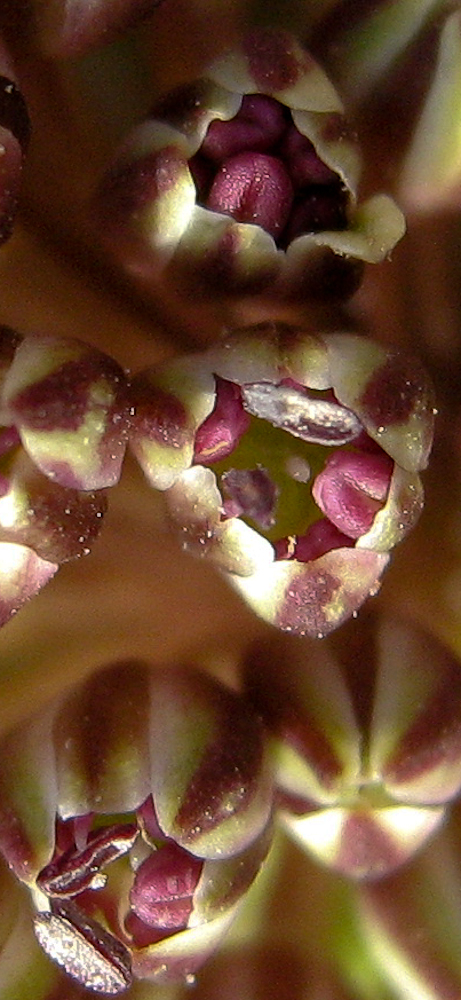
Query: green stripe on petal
(210, 772)
(101, 743)
(364, 844)
(415, 742)
(28, 798)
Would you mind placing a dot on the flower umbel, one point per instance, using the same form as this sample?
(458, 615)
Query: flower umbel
(137, 810)
(248, 177)
(233, 437)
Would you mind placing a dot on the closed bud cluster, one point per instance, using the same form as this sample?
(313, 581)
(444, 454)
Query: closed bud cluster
(291, 461)
(366, 742)
(149, 818)
(247, 179)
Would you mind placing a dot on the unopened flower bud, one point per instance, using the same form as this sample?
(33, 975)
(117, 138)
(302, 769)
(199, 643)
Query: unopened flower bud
(68, 402)
(63, 413)
(365, 742)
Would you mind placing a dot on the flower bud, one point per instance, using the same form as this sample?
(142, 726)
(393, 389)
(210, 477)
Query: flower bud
(235, 435)
(365, 742)
(68, 403)
(70, 421)
(247, 179)
(137, 810)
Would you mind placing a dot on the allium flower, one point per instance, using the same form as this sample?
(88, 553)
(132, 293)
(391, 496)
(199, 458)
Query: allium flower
(233, 437)
(248, 177)
(137, 810)
(366, 742)
(305, 932)
(63, 410)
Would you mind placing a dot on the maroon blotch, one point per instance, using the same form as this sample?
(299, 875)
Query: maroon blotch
(434, 738)
(394, 391)
(272, 62)
(226, 774)
(158, 414)
(306, 600)
(128, 187)
(366, 850)
(61, 400)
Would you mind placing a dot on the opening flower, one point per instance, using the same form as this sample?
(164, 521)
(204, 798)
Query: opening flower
(240, 438)
(246, 178)
(137, 810)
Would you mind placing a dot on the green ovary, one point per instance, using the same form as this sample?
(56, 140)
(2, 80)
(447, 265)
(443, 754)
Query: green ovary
(273, 449)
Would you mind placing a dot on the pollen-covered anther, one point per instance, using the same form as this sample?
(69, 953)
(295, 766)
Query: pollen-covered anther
(258, 187)
(91, 955)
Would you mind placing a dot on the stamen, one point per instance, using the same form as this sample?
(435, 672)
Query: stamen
(77, 870)
(316, 420)
(87, 952)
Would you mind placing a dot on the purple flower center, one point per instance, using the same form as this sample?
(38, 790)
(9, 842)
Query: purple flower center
(258, 168)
